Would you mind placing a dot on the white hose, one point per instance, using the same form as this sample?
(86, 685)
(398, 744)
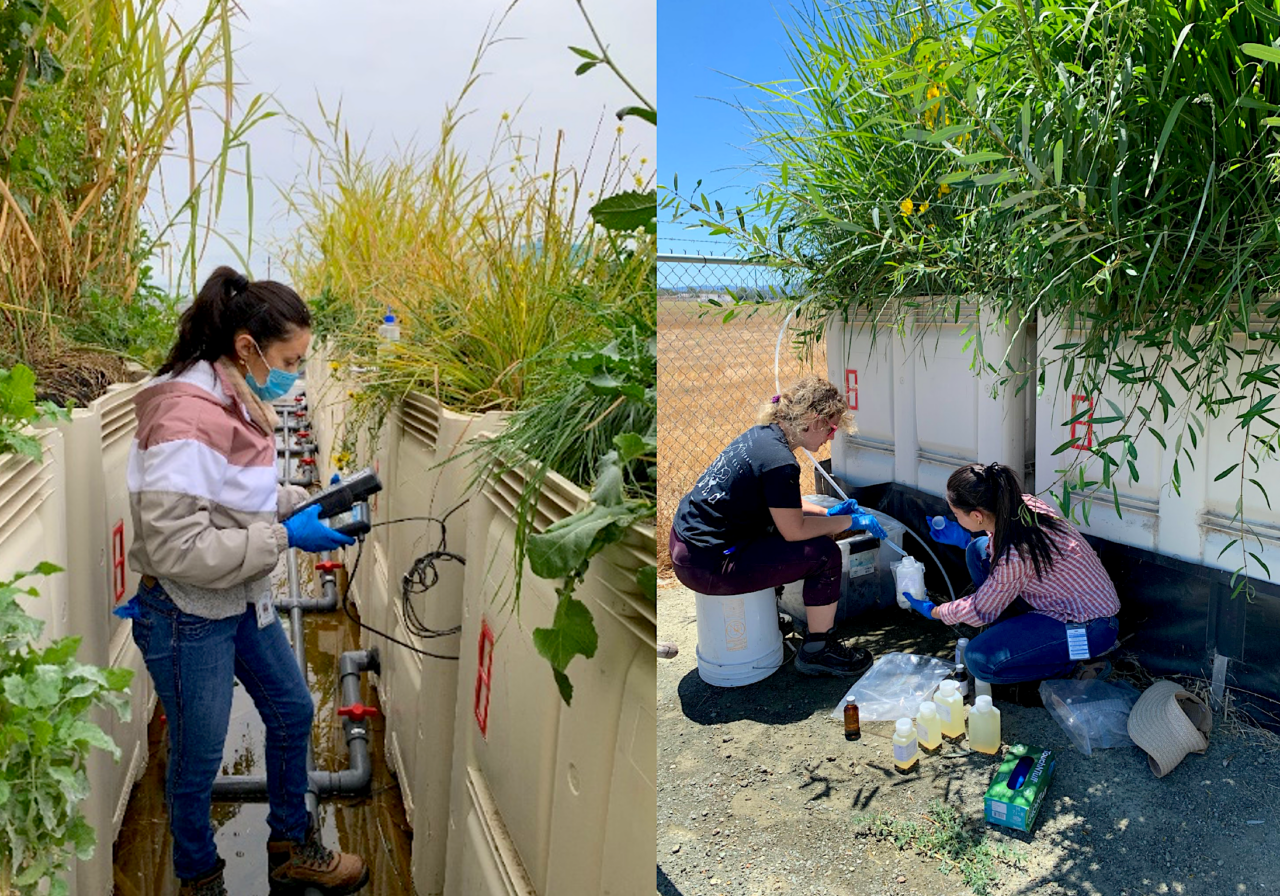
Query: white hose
(777, 385)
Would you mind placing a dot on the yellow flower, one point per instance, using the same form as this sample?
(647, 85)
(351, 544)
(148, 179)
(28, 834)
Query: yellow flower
(932, 92)
(924, 207)
(906, 205)
(944, 189)
(506, 116)
(639, 181)
(334, 365)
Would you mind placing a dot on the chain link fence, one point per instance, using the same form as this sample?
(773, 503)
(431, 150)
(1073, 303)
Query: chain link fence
(715, 366)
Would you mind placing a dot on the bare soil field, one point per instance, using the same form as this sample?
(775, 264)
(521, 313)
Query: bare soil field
(759, 794)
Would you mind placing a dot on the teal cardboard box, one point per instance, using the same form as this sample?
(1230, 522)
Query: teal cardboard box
(1018, 789)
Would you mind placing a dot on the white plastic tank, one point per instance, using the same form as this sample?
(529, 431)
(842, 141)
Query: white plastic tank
(739, 641)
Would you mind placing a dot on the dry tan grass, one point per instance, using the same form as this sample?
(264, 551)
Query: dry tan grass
(712, 378)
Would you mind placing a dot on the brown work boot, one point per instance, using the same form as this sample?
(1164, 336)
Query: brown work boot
(209, 885)
(296, 866)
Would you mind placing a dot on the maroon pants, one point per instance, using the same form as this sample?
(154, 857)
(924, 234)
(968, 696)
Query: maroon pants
(765, 563)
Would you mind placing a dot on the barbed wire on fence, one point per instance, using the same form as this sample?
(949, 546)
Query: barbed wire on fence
(715, 365)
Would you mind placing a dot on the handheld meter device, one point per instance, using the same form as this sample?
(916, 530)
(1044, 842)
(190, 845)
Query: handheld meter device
(344, 505)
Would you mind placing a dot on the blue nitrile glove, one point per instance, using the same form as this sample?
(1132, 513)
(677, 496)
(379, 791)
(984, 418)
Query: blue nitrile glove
(308, 533)
(847, 507)
(950, 533)
(335, 479)
(923, 607)
(870, 523)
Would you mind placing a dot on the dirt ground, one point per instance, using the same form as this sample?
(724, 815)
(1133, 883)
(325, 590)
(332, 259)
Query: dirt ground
(759, 793)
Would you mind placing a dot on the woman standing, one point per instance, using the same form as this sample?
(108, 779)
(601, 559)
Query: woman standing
(206, 512)
(745, 527)
(1040, 587)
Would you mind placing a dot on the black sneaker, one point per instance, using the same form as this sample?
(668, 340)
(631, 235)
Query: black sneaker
(833, 659)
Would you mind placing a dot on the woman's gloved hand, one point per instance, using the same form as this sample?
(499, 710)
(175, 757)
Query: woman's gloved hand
(847, 507)
(870, 523)
(924, 607)
(308, 533)
(950, 533)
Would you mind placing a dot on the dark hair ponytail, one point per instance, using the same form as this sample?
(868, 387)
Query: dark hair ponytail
(995, 488)
(228, 303)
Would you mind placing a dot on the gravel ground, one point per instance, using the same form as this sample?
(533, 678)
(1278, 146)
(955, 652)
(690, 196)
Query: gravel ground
(759, 793)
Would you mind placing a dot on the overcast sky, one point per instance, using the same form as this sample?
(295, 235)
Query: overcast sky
(395, 64)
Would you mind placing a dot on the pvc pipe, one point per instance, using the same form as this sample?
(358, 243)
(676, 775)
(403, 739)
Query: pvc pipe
(327, 601)
(351, 781)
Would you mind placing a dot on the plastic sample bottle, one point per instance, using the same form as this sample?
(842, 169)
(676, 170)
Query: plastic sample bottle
(961, 644)
(984, 726)
(938, 523)
(928, 726)
(908, 576)
(852, 728)
(950, 708)
(981, 688)
(388, 332)
(905, 752)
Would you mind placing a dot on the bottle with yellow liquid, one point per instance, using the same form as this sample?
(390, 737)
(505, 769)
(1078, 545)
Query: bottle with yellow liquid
(950, 706)
(905, 753)
(984, 726)
(928, 726)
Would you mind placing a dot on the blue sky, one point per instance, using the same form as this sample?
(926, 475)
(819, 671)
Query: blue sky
(706, 50)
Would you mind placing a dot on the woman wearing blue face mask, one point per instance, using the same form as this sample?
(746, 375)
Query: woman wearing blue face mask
(207, 520)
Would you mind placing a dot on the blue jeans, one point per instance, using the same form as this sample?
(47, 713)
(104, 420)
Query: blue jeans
(1023, 645)
(194, 662)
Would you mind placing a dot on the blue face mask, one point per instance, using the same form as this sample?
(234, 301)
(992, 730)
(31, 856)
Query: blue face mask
(278, 381)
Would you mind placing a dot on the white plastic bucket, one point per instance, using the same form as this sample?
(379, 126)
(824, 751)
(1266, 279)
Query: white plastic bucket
(739, 641)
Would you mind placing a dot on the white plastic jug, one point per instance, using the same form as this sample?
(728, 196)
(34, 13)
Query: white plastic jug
(908, 575)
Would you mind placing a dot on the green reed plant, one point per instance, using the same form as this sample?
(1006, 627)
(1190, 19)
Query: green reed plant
(100, 93)
(1110, 169)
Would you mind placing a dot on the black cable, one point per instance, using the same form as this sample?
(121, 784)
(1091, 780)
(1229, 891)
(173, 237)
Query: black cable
(420, 578)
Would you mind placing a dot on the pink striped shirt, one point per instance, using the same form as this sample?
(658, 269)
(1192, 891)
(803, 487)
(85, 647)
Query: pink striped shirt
(1074, 589)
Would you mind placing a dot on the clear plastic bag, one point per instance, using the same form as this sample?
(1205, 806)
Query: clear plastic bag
(1095, 714)
(895, 687)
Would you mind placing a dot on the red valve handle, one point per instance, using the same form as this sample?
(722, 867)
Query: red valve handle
(299, 399)
(303, 433)
(307, 461)
(328, 565)
(357, 712)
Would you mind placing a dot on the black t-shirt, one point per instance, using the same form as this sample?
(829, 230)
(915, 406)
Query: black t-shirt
(729, 505)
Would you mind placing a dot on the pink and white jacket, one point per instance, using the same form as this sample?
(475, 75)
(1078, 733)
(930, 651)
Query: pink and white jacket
(203, 490)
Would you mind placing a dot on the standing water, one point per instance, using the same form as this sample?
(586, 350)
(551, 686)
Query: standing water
(374, 827)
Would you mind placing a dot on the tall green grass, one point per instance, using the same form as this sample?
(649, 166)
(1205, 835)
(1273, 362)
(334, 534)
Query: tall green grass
(80, 154)
(490, 264)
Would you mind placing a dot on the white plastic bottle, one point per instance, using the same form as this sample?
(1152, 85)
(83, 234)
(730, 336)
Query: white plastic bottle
(981, 688)
(905, 752)
(388, 332)
(984, 726)
(908, 576)
(950, 707)
(928, 726)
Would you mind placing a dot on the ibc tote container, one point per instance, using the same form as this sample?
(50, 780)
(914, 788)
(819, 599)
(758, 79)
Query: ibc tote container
(1194, 525)
(920, 410)
(548, 798)
(423, 690)
(99, 531)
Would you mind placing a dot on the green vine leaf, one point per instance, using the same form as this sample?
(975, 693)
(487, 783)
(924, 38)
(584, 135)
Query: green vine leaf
(572, 633)
(628, 211)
